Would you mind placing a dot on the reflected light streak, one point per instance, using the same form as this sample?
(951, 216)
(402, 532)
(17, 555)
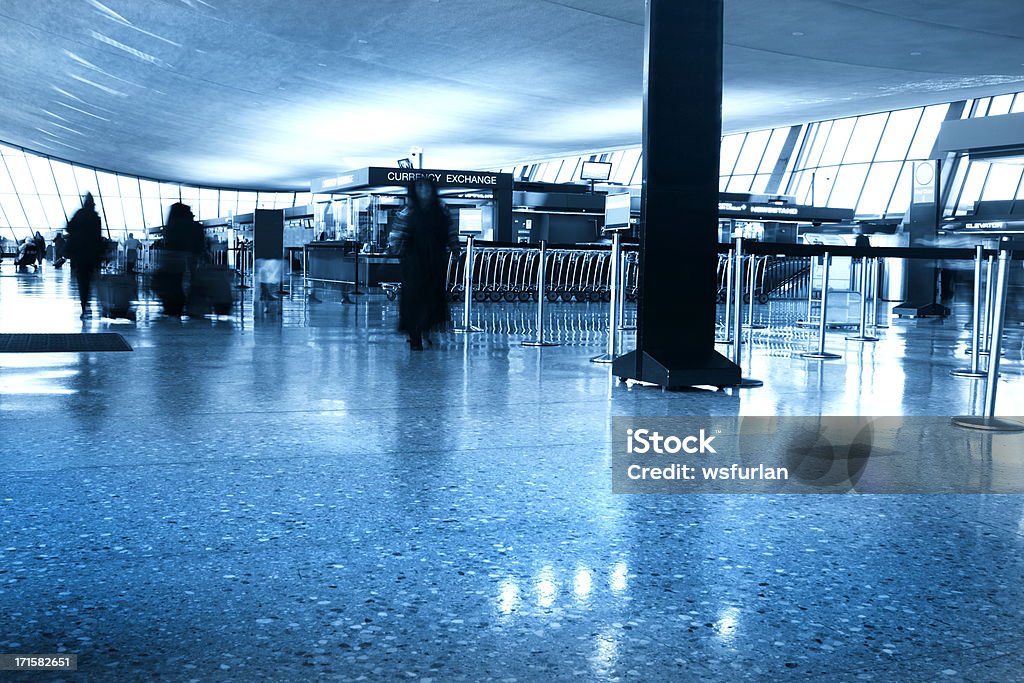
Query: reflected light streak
(546, 589)
(508, 596)
(617, 580)
(606, 651)
(727, 624)
(582, 583)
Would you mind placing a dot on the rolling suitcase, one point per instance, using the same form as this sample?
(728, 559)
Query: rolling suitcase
(211, 291)
(117, 294)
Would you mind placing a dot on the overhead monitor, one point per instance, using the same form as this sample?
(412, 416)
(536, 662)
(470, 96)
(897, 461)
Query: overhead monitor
(404, 163)
(596, 170)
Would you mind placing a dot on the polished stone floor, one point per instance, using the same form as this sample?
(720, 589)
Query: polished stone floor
(301, 497)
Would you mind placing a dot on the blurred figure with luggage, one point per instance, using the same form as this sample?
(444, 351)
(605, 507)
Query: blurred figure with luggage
(422, 236)
(182, 242)
(85, 247)
(27, 254)
(59, 255)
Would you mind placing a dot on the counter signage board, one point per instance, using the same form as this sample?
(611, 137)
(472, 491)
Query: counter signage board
(404, 176)
(375, 176)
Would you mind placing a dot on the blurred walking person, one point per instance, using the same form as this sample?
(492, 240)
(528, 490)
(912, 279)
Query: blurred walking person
(85, 247)
(422, 236)
(40, 242)
(182, 245)
(131, 254)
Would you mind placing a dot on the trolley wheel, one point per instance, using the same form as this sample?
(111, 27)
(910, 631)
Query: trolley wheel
(552, 296)
(762, 298)
(605, 296)
(479, 296)
(525, 296)
(494, 296)
(566, 296)
(510, 296)
(720, 297)
(392, 295)
(746, 297)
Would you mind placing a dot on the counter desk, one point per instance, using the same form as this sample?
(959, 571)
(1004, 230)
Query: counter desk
(342, 263)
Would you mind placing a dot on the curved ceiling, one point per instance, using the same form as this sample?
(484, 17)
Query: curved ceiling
(263, 94)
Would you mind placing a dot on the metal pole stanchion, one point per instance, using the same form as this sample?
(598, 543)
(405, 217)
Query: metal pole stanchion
(876, 267)
(988, 421)
(728, 300)
(541, 295)
(613, 288)
(467, 305)
(752, 282)
(623, 288)
(821, 353)
(974, 370)
(737, 323)
(986, 340)
(807, 322)
(862, 335)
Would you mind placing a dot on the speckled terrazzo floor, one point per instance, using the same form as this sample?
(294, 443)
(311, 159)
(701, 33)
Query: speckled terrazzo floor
(304, 498)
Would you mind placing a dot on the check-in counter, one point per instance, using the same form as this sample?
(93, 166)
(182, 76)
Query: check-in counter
(342, 263)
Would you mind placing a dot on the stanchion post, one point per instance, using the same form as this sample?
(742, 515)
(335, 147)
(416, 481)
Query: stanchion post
(613, 289)
(862, 333)
(737, 323)
(541, 295)
(986, 340)
(467, 279)
(988, 420)
(974, 371)
(821, 353)
(810, 294)
(728, 299)
(752, 282)
(623, 288)
(876, 268)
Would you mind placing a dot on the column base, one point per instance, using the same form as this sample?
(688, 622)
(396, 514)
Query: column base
(824, 355)
(989, 424)
(710, 369)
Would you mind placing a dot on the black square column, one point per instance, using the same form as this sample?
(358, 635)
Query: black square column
(679, 206)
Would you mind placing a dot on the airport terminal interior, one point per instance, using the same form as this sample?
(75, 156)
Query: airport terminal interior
(234, 451)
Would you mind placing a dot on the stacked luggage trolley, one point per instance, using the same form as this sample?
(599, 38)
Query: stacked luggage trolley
(766, 277)
(579, 274)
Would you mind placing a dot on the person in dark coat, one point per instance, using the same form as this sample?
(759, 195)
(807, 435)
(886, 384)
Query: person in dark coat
(85, 247)
(422, 236)
(40, 247)
(58, 250)
(181, 248)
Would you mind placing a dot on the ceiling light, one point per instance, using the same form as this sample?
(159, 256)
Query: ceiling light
(798, 33)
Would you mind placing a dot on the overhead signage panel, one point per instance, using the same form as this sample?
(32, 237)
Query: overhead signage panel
(340, 181)
(781, 212)
(375, 176)
(443, 178)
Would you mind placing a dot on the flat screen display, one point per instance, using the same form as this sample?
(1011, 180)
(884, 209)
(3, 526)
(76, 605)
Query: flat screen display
(596, 170)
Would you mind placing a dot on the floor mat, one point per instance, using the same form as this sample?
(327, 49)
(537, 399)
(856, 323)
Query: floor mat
(62, 343)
